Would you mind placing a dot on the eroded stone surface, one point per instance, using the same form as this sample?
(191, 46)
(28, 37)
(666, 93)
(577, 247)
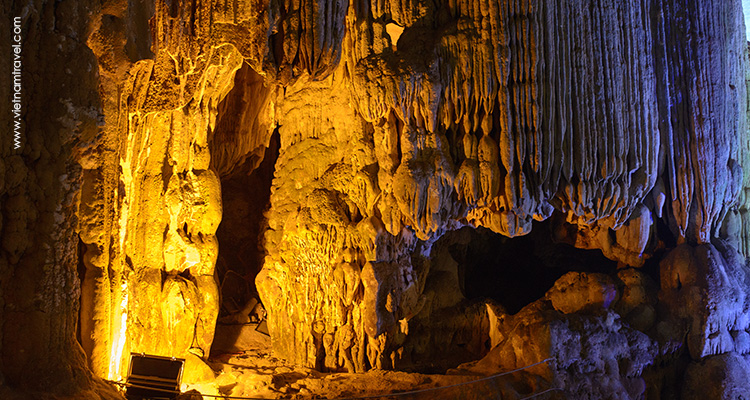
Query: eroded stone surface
(706, 289)
(397, 122)
(578, 291)
(40, 182)
(492, 121)
(723, 376)
(589, 355)
(151, 254)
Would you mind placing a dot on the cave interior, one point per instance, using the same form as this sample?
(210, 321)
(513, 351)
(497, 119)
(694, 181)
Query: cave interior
(484, 199)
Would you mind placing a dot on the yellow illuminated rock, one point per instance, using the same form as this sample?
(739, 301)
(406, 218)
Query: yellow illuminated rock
(411, 185)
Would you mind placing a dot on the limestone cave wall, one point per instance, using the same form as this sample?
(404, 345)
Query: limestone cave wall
(615, 127)
(40, 185)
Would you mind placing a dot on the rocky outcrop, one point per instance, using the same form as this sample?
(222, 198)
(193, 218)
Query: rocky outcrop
(623, 126)
(579, 291)
(589, 356)
(151, 203)
(40, 182)
(581, 338)
(720, 377)
(398, 123)
(706, 289)
(505, 114)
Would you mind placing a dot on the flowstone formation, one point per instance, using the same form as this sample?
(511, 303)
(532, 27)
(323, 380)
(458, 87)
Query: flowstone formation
(602, 120)
(473, 186)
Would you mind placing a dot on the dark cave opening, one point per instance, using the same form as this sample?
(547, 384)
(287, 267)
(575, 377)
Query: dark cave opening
(516, 271)
(244, 150)
(245, 197)
(470, 267)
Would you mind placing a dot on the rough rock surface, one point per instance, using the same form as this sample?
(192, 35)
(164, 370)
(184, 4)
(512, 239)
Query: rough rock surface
(40, 356)
(707, 289)
(623, 126)
(506, 113)
(723, 376)
(591, 355)
(577, 291)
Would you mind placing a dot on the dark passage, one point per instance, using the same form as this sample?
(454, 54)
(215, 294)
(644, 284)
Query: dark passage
(245, 195)
(244, 150)
(517, 271)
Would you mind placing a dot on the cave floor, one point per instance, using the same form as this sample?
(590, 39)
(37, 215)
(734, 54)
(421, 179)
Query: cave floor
(249, 369)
